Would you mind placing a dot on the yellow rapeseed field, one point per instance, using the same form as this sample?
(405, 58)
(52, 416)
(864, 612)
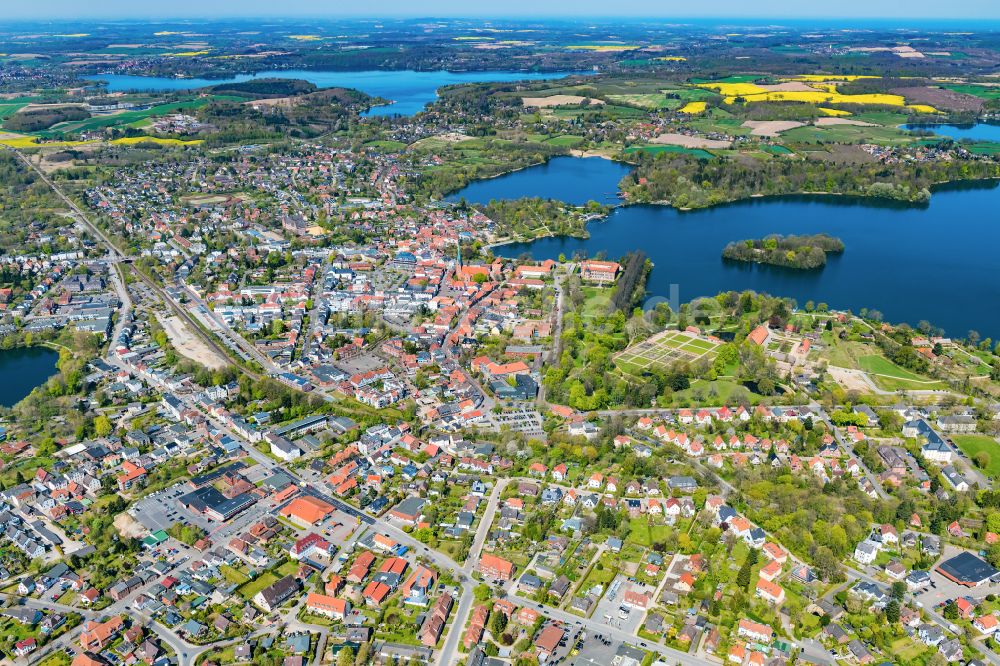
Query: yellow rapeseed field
(671, 58)
(733, 89)
(923, 108)
(693, 107)
(834, 112)
(188, 54)
(306, 38)
(604, 48)
(829, 95)
(25, 141)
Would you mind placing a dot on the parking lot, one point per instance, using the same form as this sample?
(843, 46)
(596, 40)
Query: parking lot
(338, 527)
(161, 509)
(609, 607)
(526, 420)
(361, 363)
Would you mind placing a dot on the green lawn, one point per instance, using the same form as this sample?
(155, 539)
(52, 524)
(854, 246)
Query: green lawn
(891, 377)
(232, 575)
(973, 444)
(249, 589)
(642, 533)
(596, 301)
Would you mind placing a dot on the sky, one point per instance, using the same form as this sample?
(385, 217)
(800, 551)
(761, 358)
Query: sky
(896, 9)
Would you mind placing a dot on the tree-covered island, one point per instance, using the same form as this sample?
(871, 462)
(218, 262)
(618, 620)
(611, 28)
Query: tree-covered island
(800, 252)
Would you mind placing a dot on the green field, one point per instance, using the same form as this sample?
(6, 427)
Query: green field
(984, 148)
(565, 141)
(596, 302)
(132, 118)
(985, 92)
(647, 100)
(249, 589)
(655, 150)
(640, 532)
(891, 377)
(846, 134)
(973, 444)
(8, 109)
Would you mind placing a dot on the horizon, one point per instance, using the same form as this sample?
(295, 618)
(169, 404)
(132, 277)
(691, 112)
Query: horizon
(580, 10)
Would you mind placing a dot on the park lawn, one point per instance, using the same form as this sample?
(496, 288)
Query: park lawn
(719, 391)
(887, 373)
(973, 444)
(596, 302)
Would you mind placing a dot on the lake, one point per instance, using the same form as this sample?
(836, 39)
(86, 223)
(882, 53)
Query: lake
(567, 179)
(975, 132)
(22, 369)
(936, 262)
(409, 90)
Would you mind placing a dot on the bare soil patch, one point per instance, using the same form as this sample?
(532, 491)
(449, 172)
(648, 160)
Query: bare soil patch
(771, 127)
(830, 122)
(673, 139)
(128, 526)
(788, 86)
(190, 345)
(557, 100)
(940, 98)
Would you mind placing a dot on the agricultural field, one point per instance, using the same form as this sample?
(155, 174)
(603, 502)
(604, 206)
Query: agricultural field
(662, 350)
(697, 152)
(984, 92)
(646, 100)
(128, 118)
(807, 89)
(848, 134)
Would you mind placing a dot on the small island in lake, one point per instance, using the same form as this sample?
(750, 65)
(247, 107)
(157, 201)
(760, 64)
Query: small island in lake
(802, 252)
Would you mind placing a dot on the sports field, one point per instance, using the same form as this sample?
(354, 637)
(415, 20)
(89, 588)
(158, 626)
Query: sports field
(663, 349)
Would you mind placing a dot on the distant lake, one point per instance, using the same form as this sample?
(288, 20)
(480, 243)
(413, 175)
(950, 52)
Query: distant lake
(22, 369)
(976, 132)
(936, 262)
(574, 180)
(409, 90)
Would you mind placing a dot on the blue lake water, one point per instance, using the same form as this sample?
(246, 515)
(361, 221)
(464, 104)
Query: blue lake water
(22, 369)
(976, 132)
(937, 262)
(571, 179)
(409, 90)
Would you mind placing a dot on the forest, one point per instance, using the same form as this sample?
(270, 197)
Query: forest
(687, 182)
